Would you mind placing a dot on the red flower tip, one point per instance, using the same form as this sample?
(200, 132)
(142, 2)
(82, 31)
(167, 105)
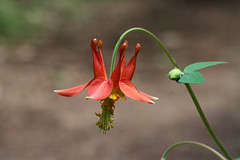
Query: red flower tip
(138, 47)
(99, 43)
(94, 43)
(124, 46)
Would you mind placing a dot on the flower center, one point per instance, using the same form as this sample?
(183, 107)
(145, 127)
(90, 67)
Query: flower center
(105, 122)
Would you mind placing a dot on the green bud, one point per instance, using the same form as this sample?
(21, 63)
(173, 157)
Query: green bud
(175, 74)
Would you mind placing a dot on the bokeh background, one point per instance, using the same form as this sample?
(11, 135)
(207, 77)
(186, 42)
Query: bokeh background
(45, 45)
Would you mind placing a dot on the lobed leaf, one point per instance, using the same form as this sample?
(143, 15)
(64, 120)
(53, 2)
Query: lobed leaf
(200, 65)
(192, 78)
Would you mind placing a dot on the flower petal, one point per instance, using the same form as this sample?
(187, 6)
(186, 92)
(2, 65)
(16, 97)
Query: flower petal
(101, 57)
(72, 91)
(121, 61)
(148, 96)
(129, 89)
(100, 89)
(98, 63)
(130, 68)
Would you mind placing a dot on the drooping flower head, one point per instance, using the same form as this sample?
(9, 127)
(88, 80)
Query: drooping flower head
(110, 90)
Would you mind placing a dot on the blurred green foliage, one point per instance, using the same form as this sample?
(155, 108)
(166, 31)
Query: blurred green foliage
(18, 19)
(21, 19)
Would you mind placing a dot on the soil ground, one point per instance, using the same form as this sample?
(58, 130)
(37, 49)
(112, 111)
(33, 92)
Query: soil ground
(37, 124)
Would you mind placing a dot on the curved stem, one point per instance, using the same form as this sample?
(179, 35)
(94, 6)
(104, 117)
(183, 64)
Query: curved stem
(192, 143)
(204, 119)
(147, 32)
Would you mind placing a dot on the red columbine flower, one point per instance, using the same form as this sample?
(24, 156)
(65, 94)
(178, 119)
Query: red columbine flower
(110, 90)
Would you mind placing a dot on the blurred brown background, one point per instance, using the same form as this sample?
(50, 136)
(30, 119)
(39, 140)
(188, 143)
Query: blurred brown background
(45, 45)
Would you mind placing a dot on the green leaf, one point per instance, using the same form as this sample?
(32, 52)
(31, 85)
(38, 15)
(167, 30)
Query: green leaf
(237, 159)
(192, 78)
(200, 65)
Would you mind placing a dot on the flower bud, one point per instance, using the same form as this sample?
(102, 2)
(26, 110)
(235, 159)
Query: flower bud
(175, 74)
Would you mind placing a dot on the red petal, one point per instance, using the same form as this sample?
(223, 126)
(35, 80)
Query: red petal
(148, 96)
(130, 68)
(100, 89)
(101, 57)
(98, 63)
(129, 89)
(121, 61)
(72, 91)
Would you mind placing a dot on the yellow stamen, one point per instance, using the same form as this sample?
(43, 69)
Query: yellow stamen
(111, 125)
(113, 96)
(106, 118)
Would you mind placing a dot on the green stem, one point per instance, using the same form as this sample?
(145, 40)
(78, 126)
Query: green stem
(192, 143)
(205, 121)
(187, 85)
(147, 32)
